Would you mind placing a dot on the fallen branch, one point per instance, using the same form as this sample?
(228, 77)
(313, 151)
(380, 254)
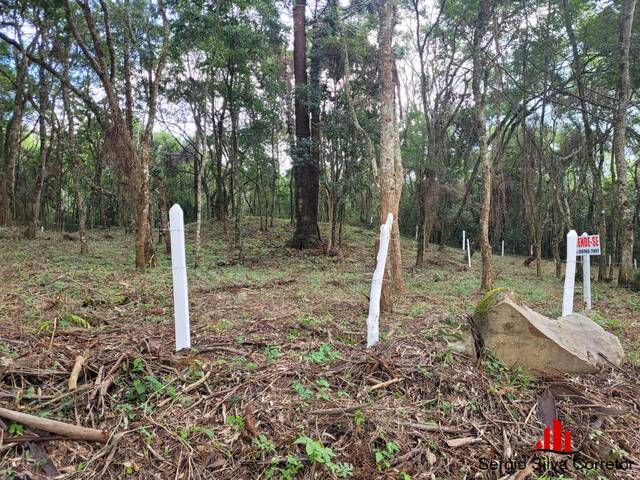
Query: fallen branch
(75, 373)
(54, 426)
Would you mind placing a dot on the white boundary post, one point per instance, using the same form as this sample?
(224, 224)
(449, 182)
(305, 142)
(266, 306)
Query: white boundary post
(635, 263)
(570, 273)
(464, 235)
(531, 250)
(179, 270)
(502, 248)
(416, 232)
(468, 254)
(373, 328)
(586, 278)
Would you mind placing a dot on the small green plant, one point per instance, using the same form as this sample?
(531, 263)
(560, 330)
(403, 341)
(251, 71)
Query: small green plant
(384, 456)
(417, 309)
(16, 428)
(322, 385)
(308, 320)
(292, 466)
(236, 421)
(445, 356)
(72, 319)
(272, 353)
(263, 444)
(324, 354)
(300, 390)
(322, 455)
(6, 350)
(358, 418)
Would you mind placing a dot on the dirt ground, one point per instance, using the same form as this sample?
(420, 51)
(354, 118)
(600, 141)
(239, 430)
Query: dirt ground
(278, 384)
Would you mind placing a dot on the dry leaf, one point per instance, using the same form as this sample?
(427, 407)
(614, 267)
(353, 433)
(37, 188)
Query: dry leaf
(461, 442)
(546, 407)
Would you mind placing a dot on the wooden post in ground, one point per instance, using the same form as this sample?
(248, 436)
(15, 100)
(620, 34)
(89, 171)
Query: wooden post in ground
(570, 274)
(468, 254)
(464, 234)
(373, 329)
(179, 270)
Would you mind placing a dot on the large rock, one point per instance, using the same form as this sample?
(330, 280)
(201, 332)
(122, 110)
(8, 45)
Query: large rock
(518, 336)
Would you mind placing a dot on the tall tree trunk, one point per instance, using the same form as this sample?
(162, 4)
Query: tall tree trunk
(479, 96)
(145, 250)
(43, 100)
(306, 174)
(390, 175)
(625, 217)
(8, 185)
(601, 219)
(198, 165)
(77, 169)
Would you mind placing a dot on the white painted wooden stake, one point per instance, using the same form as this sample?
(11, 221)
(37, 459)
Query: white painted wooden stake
(179, 270)
(503, 248)
(416, 232)
(464, 234)
(468, 254)
(586, 278)
(609, 261)
(570, 273)
(373, 330)
(531, 249)
(635, 263)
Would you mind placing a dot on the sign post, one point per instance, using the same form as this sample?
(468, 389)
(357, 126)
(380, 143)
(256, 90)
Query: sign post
(468, 254)
(585, 245)
(570, 274)
(464, 234)
(586, 273)
(179, 270)
(376, 283)
(503, 248)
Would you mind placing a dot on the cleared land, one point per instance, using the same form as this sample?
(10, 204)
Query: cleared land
(278, 366)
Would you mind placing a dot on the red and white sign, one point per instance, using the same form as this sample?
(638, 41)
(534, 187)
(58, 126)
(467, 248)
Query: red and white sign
(588, 245)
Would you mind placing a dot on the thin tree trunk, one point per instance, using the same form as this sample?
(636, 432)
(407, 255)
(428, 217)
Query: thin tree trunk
(479, 94)
(625, 217)
(390, 174)
(42, 105)
(8, 185)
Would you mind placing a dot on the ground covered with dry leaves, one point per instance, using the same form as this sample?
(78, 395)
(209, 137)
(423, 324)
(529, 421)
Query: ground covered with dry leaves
(278, 384)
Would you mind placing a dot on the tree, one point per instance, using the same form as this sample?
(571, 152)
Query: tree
(306, 173)
(390, 176)
(478, 86)
(624, 205)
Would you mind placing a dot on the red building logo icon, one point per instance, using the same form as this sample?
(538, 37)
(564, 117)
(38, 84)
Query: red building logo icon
(558, 437)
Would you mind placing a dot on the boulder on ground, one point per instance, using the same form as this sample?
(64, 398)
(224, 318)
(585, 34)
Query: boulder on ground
(518, 336)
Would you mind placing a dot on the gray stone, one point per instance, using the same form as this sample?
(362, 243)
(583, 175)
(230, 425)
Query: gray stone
(518, 336)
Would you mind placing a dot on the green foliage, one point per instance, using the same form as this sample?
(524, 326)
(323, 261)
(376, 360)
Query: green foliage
(16, 429)
(324, 354)
(272, 353)
(322, 455)
(263, 444)
(385, 455)
(489, 299)
(302, 391)
(236, 421)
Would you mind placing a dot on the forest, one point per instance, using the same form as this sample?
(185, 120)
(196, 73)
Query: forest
(448, 148)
